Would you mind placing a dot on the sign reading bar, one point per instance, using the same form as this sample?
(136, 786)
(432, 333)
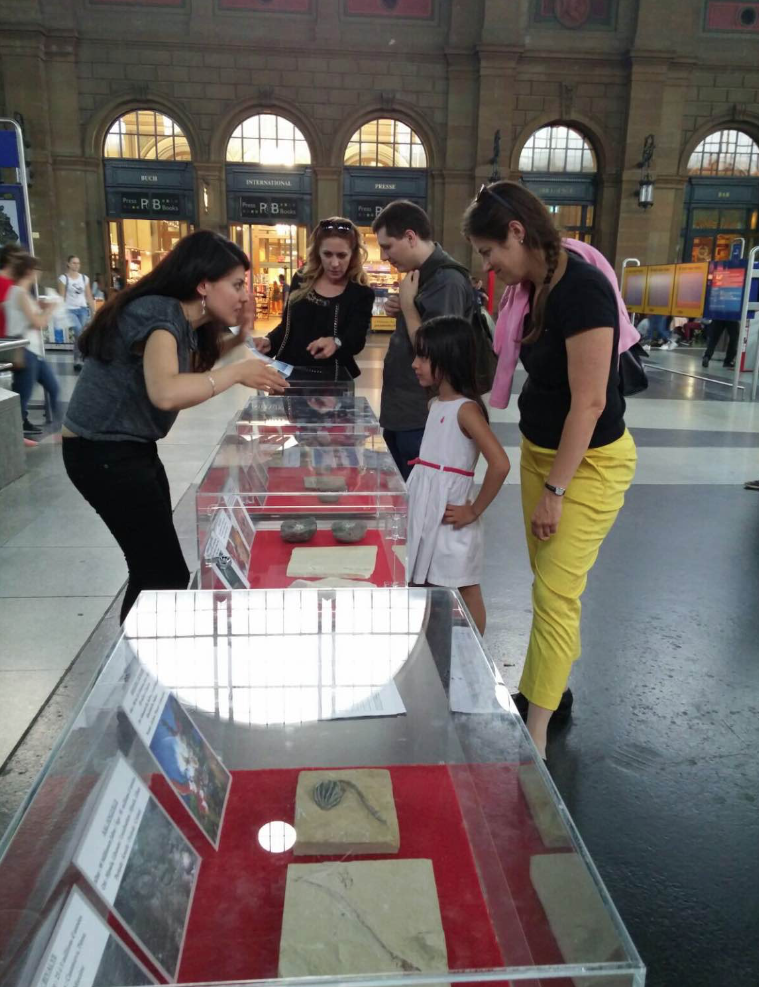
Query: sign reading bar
(150, 204)
(257, 207)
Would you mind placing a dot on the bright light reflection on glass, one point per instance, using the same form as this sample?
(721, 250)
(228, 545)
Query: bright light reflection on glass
(276, 837)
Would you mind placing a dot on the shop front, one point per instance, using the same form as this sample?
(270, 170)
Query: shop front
(366, 192)
(269, 213)
(571, 200)
(718, 212)
(150, 206)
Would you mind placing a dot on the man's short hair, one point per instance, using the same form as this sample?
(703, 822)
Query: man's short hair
(8, 251)
(402, 215)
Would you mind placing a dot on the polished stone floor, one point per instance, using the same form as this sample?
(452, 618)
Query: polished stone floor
(658, 766)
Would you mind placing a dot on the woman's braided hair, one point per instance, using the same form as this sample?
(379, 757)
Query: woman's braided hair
(489, 216)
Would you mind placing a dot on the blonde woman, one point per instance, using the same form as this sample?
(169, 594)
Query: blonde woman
(329, 307)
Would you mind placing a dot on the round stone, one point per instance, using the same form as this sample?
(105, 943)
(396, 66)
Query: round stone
(299, 529)
(349, 531)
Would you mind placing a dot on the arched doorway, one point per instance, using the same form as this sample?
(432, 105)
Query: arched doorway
(268, 175)
(559, 165)
(385, 159)
(722, 196)
(149, 189)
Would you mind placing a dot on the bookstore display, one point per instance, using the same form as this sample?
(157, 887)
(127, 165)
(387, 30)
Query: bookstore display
(281, 784)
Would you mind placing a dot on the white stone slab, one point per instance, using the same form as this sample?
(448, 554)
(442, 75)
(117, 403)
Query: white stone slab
(350, 561)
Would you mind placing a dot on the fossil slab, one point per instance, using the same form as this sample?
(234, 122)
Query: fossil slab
(338, 812)
(328, 484)
(362, 917)
(344, 562)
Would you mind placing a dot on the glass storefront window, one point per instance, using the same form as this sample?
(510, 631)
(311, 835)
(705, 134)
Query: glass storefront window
(269, 140)
(386, 143)
(146, 135)
(273, 250)
(702, 249)
(705, 219)
(146, 242)
(732, 219)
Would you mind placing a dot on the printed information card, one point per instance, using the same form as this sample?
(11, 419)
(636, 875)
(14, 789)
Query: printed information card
(141, 865)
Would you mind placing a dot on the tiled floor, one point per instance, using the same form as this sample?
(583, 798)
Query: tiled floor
(659, 764)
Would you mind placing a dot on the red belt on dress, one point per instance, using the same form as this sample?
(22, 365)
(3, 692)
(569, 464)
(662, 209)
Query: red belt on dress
(436, 466)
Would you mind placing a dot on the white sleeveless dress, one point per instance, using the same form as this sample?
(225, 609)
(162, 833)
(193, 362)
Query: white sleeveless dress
(435, 552)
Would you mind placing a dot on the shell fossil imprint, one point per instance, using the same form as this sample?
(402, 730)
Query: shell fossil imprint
(329, 793)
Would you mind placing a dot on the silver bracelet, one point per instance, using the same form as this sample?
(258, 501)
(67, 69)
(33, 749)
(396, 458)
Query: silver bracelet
(213, 386)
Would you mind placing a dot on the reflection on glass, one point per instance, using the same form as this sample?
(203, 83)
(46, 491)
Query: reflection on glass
(277, 837)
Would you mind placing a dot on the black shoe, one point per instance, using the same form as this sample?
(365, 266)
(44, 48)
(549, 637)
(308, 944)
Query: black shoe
(77, 368)
(704, 363)
(729, 366)
(30, 429)
(561, 713)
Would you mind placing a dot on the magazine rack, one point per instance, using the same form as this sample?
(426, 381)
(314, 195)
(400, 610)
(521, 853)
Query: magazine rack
(480, 877)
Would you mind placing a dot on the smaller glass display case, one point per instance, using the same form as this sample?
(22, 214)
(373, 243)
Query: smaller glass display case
(278, 509)
(303, 382)
(293, 788)
(325, 412)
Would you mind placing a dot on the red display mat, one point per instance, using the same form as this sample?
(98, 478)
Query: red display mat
(270, 558)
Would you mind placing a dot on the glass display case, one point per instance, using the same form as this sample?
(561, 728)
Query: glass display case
(320, 410)
(269, 786)
(304, 383)
(276, 509)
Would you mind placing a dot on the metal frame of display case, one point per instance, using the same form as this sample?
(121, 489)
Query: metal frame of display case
(284, 681)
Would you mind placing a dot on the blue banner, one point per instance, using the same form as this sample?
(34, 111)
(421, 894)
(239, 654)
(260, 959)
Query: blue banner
(8, 149)
(725, 292)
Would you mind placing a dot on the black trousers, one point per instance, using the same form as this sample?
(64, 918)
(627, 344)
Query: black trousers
(127, 485)
(714, 333)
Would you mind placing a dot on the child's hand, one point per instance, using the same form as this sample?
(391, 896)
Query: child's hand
(459, 515)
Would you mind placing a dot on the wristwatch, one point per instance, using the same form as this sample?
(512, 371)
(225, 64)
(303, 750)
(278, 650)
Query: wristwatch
(338, 342)
(559, 491)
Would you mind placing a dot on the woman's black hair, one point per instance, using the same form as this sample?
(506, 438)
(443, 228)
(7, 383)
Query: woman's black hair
(448, 342)
(199, 256)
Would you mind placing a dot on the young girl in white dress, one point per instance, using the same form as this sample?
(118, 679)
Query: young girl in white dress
(445, 539)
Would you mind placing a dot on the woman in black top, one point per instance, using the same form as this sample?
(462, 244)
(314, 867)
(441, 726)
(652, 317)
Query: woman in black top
(329, 307)
(149, 352)
(578, 459)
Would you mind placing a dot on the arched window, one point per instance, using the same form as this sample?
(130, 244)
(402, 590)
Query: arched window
(726, 154)
(146, 135)
(385, 144)
(558, 150)
(267, 139)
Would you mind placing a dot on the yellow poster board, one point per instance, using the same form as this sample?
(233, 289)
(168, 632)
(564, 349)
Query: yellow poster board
(660, 290)
(634, 287)
(690, 290)
(383, 323)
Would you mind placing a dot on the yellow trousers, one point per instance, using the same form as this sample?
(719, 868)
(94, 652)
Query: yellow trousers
(561, 565)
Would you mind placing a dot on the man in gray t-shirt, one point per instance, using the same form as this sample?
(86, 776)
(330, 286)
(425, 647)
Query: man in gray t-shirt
(435, 285)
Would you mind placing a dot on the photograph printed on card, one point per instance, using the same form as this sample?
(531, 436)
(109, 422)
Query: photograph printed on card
(225, 551)
(141, 865)
(186, 759)
(84, 952)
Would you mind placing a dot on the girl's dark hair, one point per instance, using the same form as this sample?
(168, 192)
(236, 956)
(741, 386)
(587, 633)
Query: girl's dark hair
(489, 216)
(22, 264)
(199, 256)
(448, 342)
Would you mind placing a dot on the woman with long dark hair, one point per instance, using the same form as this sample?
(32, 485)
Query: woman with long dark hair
(149, 352)
(445, 542)
(329, 308)
(578, 459)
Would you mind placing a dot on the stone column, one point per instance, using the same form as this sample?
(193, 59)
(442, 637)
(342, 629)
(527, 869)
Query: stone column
(327, 192)
(457, 180)
(211, 186)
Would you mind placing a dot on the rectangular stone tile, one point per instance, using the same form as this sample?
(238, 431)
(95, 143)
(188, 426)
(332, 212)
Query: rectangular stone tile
(64, 527)
(44, 572)
(46, 635)
(22, 700)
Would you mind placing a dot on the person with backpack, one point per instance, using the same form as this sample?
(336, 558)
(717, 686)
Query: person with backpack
(77, 294)
(435, 284)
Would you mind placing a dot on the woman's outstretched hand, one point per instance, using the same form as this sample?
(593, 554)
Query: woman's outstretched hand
(262, 377)
(262, 344)
(323, 348)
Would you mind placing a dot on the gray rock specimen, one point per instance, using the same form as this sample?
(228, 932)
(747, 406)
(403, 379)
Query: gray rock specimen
(349, 532)
(301, 529)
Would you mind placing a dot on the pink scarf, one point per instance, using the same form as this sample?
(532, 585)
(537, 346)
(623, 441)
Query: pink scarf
(513, 307)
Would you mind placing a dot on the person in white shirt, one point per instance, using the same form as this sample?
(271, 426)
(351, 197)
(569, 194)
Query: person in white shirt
(75, 289)
(27, 318)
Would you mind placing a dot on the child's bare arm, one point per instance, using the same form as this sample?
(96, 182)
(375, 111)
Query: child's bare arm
(472, 422)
